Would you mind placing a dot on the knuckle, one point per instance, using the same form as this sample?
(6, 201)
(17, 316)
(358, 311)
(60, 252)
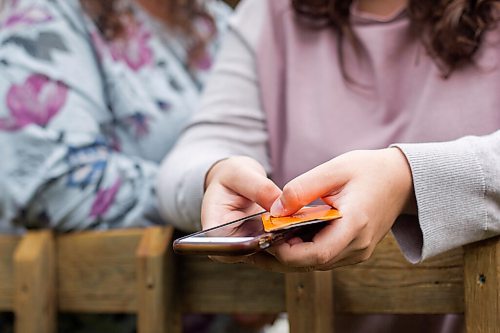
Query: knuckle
(364, 257)
(363, 221)
(293, 193)
(366, 254)
(323, 258)
(364, 244)
(266, 189)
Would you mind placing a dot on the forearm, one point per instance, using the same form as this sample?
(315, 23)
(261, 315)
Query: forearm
(230, 123)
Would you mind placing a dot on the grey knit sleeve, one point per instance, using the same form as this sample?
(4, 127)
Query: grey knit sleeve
(457, 187)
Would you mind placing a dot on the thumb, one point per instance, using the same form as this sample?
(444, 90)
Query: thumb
(314, 184)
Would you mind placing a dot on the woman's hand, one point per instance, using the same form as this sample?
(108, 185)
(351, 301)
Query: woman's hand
(235, 188)
(370, 188)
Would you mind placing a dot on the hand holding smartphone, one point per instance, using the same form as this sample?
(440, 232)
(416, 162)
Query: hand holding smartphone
(255, 233)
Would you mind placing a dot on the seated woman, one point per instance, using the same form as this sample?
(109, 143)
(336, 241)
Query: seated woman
(93, 95)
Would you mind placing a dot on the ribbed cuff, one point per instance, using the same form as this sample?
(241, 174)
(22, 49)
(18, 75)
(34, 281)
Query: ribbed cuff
(449, 188)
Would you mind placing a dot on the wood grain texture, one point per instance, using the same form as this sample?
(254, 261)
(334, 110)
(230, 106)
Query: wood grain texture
(309, 302)
(97, 271)
(387, 283)
(482, 286)
(8, 245)
(35, 283)
(212, 287)
(157, 309)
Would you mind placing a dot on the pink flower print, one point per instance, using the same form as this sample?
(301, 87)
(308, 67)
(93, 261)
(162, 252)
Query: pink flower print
(205, 25)
(35, 101)
(28, 16)
(104, 199)
(204, 62)
(132, 49)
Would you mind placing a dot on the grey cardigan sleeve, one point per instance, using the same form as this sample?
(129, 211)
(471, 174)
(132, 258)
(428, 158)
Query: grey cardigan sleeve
(457, 187)
(230, 122)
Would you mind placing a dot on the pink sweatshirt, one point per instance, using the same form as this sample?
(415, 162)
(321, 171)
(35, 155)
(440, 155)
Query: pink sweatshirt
(313, 114)
(277, 95)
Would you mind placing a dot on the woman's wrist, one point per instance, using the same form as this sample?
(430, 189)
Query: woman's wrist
(231, 163)
(404, 180)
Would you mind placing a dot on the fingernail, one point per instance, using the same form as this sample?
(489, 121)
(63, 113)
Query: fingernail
(277, 208)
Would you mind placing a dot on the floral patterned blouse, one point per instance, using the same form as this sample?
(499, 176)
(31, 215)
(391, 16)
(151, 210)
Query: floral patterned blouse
(84, 122)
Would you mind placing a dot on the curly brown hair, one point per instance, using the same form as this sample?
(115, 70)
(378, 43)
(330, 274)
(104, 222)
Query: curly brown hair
(179, 15)
(451, 30)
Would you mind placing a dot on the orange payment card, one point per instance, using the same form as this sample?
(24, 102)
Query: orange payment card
(307, 215)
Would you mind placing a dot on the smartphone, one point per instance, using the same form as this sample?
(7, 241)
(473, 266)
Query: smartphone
(244, 236)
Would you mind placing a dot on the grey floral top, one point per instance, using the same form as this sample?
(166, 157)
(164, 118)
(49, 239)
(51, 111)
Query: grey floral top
(85, 121)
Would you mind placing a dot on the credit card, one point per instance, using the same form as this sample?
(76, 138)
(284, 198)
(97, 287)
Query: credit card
(307, 215)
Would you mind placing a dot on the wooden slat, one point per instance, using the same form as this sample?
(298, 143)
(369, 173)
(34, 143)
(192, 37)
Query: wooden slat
(387, 283)
(309, 301)
(393, 285)
(35, 283)
(97, 271)
(212, 287)
(7, 247)
(157, 308)
(482, 286)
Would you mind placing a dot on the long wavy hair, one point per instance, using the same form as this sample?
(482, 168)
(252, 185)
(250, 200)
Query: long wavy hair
(451, 30)
(179, 15)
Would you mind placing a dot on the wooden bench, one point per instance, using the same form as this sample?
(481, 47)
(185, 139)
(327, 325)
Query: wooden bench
(118, 271)
(134, 271)
(27, 280)
(455, 282)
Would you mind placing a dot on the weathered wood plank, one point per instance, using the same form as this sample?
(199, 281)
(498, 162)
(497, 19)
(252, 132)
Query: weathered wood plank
(208, 286)
(97, 271)
(392, 284)
(7, 247)
(387, 283)
(309, 302)
(35, 283)
(482, 286)
(158, 311)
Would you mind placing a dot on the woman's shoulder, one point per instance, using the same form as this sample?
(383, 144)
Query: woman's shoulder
(49, 38)
(17, 15)
(251, 16)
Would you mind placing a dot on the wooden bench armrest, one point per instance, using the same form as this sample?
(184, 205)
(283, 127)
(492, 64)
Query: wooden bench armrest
(156, 282)
(482, 286)
(35, 296)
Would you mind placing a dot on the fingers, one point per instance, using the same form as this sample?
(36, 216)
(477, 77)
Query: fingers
(254, 186)
(340, 239)
(236, 187)
(247, 178)
(308, 187)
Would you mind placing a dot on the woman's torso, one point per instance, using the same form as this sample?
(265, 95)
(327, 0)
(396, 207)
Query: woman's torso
(398, 94)
(144, 80)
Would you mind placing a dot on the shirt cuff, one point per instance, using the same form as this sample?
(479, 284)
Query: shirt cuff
(180, 201)
(449, 189)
